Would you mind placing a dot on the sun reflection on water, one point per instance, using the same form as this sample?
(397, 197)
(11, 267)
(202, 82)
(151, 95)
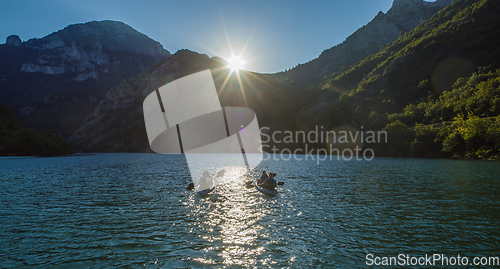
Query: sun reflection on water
(231, 220)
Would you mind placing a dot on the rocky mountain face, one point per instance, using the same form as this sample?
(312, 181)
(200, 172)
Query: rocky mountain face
(117, 124)
(402, 17)
(54, 82)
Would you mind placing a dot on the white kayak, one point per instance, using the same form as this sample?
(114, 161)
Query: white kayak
(206, 191)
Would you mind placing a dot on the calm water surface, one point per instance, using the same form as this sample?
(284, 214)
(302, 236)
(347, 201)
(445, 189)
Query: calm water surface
(133, 210)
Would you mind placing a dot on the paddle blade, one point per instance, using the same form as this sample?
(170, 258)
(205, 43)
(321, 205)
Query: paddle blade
(281, 183)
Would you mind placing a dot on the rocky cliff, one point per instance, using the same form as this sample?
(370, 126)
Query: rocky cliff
(54, 82)
(89, 49)
(117, 124)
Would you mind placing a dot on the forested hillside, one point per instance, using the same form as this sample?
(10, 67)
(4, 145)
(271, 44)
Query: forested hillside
(441, 80)
(16, 140)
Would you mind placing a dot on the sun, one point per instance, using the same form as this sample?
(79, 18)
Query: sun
(235, 63)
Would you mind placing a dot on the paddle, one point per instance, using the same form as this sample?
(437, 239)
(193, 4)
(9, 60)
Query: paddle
(191, 185)
(281, 183)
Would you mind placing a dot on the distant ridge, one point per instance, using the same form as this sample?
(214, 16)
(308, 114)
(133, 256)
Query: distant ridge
(54, 82)
(435, 90)
(403, 16)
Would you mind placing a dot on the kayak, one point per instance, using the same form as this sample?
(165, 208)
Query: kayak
(266, 191)
(206, 191)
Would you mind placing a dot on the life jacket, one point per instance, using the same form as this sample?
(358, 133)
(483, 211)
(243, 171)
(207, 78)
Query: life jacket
(204, 183)
(270, 184)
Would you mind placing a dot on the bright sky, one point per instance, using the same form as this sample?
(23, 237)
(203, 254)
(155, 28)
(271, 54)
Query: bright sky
(270, 35)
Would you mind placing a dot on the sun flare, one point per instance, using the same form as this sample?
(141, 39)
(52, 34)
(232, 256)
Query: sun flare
(235, 63)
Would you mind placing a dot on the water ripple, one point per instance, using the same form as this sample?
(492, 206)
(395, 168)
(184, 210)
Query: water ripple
(132, 210)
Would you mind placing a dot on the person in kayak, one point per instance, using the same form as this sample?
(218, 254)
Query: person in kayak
(205, 181)
(270, 183)
(263, 177)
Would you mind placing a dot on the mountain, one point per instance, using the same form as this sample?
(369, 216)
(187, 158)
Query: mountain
(54, 82)
(441, 79)
(117, 124)
(434, 88)
(402, 17)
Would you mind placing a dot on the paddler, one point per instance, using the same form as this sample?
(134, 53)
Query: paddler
(270, 183)
(263, 177)
(205, 181)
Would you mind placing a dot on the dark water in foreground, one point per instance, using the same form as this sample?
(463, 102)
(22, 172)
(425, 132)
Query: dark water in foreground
(133, 210)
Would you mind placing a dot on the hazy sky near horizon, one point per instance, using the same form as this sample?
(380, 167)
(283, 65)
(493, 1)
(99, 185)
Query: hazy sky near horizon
(271, 36)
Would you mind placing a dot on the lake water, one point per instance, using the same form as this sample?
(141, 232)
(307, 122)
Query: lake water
(133, 210)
